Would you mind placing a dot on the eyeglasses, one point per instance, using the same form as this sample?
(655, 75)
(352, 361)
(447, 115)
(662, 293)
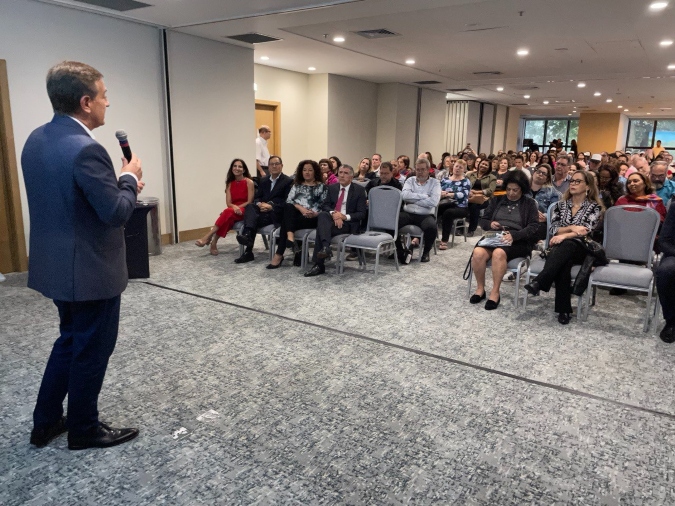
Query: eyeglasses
(274, 164)
(577, 181)
(658, 178)
(541, 173)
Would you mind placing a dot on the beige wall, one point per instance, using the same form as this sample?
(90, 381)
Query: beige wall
(432, 123)
(291, 89)
(406, 119)
(317, 136)
(352, 118)
(34, 36)
(601, 132)
(396, 119)
(500, 128)
(212, 102)
(387, 102)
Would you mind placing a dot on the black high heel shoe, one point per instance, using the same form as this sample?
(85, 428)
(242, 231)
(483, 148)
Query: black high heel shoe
(563, 318)
(272, 266)
(533, 288)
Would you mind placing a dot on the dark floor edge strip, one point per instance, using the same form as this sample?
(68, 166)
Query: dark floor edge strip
(488, 370)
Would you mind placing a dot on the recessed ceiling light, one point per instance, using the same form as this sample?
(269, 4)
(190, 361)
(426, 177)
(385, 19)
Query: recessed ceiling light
(526, 96)
(501, 88)
(311, 68)
(619, 107)
(581, 85)
(410, 61)
(649, 114)
(264, 58)
(666, 43)
(625, 110)
(671, 66)
(658, 6)
(338, 39)
(545, 102)
(609, 100)
(570, 114)
(523, 52)
(597, 94)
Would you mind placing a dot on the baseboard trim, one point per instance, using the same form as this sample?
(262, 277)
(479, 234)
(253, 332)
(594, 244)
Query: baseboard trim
(167, 239)
(192, 235)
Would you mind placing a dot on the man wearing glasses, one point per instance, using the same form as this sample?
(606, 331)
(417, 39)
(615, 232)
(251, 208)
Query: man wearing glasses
(561, 180)
(665, 188)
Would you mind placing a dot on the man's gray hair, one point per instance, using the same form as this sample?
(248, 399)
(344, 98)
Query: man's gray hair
(661, 163)
(68, 82)
(565, 157)
(423, 161)
(351, 169)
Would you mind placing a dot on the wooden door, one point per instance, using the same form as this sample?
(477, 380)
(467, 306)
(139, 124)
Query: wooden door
(269, 113)
(12, 239)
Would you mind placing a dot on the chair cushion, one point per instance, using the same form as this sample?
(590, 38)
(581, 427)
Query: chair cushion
(412, 230)
(368, 240)
(267, 229)
(537, 265)
(624, 275)
(513, 264)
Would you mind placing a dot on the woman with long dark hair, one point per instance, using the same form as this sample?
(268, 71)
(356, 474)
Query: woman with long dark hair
(239, 191)
(302, 207)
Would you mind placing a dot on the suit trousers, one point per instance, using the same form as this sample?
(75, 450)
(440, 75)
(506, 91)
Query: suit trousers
(426, 222)
(325, 231)
(78, 363)
(665, 285)
(558, 269)
(255, 219)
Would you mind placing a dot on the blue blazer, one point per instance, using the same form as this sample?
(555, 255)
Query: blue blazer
(78, 209)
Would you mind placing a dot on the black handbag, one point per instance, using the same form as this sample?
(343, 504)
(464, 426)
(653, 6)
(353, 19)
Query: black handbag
(583, 277)
(594, 250)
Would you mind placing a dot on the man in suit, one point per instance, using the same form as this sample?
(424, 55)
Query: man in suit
(268, 206)
(341, 213)
(78, 209)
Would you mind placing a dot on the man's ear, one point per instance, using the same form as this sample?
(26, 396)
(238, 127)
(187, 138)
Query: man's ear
(85, 104)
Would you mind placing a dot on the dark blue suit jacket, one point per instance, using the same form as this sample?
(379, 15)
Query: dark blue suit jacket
(78, 209)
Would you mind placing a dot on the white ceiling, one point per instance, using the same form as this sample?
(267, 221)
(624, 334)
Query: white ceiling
(611, 45)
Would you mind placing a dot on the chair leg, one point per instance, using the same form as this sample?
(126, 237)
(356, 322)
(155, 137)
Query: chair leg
(516, 294)
(465, 228)
(419, 258)
(273, 246)
(648, 309)
(265, 242)
(468, 293)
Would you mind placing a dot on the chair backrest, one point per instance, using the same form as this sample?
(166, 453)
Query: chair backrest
(549, 215)
(629, 233)
(384, 206)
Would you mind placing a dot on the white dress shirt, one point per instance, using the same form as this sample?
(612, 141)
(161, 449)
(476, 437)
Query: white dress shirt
(343, 207)
(262, 154)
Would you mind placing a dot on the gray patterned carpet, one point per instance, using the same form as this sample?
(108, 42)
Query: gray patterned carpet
(264, 387)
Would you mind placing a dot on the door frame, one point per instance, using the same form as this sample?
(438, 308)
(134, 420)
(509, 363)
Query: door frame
(9, 175)
(276, 127)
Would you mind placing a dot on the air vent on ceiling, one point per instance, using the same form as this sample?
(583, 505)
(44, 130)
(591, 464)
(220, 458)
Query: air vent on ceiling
(457, 90)
(526, 88)
(116, 5)
(252, 38)
(427, 82)
(488, 73)
(519, 104)
(378, 33)
(483, 29)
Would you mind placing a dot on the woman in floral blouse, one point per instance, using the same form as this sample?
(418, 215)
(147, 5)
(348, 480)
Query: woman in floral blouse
(576, 215)
(302, 207)
(454, 200)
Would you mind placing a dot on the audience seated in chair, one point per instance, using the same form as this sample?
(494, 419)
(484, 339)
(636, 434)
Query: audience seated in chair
(609, 186)
(455, 190)
(239, 191)
(516, 214)
(267, 207)
(543, 192)
(658, 175)
(665, 276)
(327, 173)
(302, 208)
(639, 191)
(384, 179)
(576, 215)
(341, 213)
(421, 195)
(483, 185)
(365, 172)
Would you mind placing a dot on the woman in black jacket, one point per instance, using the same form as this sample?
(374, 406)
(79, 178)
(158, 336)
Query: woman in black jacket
(517, 215)
(665, 276)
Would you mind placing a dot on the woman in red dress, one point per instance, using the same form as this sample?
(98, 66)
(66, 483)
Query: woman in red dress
(239, 190)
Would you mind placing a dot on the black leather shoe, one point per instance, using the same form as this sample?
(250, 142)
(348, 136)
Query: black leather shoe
(245, 239)
(405, 256)
(42, 437)
(491, 304)
(667, 335)
(102, 436)
(618, 291)
(297, 259)
(246, 257)
(563, 318)
(533, 288)
(425, 257)
(315, 271)
(475, 298)
(325, 252)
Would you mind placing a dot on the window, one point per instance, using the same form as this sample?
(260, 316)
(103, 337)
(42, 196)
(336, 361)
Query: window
(665, 132)
(640, 133)
(543, 131)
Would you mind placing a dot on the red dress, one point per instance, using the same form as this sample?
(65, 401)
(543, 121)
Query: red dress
(238, 196)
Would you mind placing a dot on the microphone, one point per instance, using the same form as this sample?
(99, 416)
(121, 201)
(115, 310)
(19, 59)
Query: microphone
(124, 144)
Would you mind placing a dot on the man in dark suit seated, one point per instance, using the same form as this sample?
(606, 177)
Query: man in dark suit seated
(268, 206)
(386, 178)
(78, 209)
(341, 213)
